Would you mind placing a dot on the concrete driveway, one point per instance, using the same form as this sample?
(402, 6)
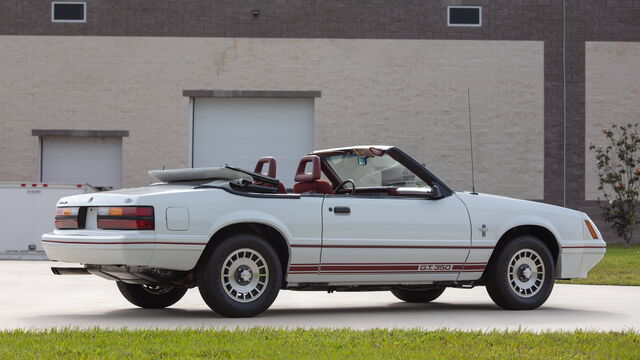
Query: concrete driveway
(32, 297)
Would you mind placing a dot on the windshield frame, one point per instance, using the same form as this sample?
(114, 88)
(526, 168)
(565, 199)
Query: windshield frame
(398, 155)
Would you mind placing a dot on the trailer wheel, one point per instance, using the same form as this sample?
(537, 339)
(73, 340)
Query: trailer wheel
(151, 296)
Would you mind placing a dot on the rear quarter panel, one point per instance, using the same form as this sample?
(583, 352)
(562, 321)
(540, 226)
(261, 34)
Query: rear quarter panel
(210, 210)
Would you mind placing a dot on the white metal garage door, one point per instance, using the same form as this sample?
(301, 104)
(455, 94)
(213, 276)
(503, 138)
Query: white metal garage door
(92, 160)
(238, 131)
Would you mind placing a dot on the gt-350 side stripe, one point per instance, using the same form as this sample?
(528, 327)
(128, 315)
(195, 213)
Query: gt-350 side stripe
(353, 268)
(391, 246)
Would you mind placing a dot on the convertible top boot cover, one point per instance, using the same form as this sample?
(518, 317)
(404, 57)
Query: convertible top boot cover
(208, 173)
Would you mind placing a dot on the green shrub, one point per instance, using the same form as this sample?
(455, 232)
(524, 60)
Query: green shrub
(618, 169)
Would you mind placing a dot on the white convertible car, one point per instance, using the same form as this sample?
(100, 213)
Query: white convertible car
(363, 218)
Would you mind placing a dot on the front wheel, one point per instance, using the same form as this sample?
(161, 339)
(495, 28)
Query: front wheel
(241, 277)
(521, 276)
(151, 296)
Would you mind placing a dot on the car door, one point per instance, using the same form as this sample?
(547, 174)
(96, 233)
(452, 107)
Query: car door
(390, 239)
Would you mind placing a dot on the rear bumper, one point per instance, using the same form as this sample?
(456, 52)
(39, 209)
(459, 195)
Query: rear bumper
(576, 260)
(135, 248)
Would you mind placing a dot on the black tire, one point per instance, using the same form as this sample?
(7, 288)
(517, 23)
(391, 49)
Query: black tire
(507, 281)
(417, 296)
(221, 292)
(149, 296)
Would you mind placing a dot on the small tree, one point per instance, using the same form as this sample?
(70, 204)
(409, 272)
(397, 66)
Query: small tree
(618, 171)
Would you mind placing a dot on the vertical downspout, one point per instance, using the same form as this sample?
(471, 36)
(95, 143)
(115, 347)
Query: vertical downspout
(192, 117)
(564, 103)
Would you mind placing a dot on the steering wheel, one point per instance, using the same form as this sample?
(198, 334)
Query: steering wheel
(345, 182)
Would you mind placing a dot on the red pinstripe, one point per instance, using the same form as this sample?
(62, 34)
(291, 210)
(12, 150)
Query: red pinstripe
(408, 263)
(584, 247)
(121, 243)
(390, 246)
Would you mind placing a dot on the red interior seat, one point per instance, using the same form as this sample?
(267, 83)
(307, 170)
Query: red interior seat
(271, 171)
(310, 182)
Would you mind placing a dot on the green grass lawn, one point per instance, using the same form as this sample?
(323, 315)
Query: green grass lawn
(620, 266)
(265, 343)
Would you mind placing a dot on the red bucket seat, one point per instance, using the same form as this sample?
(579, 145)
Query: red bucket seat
(271, 171)
(310, 182)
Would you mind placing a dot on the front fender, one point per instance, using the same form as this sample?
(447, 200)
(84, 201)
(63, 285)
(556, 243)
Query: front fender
(527, 220)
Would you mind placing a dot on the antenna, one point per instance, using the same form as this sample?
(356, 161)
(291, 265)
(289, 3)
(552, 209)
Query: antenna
(473, 180)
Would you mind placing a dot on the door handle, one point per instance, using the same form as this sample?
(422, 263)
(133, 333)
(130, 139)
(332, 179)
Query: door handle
(342, 210)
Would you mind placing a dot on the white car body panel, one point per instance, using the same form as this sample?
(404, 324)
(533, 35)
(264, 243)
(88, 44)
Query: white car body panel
(391, 237)
(501, 214)
(299, 221)
(383, 240)
(209, 211)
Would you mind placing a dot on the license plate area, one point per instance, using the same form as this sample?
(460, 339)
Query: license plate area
(92, 216)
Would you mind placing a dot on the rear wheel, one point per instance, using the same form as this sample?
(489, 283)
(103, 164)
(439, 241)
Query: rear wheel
(241, 277)
(521, 276)
(417, 296)
(151, 296)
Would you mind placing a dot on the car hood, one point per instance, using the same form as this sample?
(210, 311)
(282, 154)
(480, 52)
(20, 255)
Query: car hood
(499, 200)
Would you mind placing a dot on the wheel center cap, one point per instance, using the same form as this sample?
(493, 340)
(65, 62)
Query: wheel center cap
(524, 273)
(243, 275)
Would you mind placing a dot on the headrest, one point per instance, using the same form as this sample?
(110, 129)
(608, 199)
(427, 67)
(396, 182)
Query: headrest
(301, 176)
(271, 171)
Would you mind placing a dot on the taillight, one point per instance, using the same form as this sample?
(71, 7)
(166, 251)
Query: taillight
(67, 218)
(126, 218)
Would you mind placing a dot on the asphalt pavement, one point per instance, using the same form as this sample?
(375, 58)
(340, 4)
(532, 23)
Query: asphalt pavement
(31, 297)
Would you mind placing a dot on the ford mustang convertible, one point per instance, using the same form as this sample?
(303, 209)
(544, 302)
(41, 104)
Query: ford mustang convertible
(362, 218)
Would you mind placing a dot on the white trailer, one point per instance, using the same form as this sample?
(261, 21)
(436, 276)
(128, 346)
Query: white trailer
(27, 212)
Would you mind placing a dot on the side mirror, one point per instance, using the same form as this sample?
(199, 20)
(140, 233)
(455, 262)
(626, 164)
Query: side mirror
(435, 192)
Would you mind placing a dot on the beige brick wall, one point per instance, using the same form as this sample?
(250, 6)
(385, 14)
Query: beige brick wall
(410, 93)
(612, 96)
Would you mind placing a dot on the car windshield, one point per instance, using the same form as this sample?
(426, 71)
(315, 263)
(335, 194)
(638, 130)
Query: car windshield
(373, 171)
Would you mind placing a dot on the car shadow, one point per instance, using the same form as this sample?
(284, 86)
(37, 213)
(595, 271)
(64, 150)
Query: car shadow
(303, 316)
(488, 309)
